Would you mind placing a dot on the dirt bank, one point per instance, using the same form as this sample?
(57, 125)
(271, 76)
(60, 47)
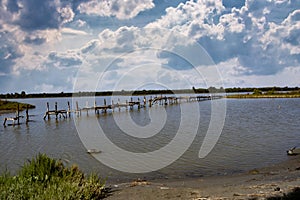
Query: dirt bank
(272, 181)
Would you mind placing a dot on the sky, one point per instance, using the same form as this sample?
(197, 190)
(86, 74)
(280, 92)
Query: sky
(87, 45)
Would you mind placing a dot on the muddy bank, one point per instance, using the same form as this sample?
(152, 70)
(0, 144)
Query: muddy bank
(273, 181)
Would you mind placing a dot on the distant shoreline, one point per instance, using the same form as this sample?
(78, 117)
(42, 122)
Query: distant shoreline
(210, 90)
(262, 96)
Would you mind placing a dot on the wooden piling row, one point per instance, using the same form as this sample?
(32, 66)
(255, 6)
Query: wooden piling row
(56, 112)
(162, 100)
(17, 117)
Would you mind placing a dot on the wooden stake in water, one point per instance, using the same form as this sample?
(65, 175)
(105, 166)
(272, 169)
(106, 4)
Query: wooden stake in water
(69, 109)
(150, 101)
(48, 109)
(18, 114)
(145, 101)
(27, 115)
(56, 113)
(104, 105)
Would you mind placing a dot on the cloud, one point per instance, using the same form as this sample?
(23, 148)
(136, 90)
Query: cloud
(247, 39)
(233, 75)
(132, 57)
(40, 15)
(9, 52)
(69, 31)
(27, 27)
(61, 60)
(120, 9)
(265, 30)
(34, 40)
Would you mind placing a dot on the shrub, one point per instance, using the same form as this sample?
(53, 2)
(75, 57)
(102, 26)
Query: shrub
(47, 178)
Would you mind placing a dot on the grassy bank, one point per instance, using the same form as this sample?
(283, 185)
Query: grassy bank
(11, 105)
(245, 96)
(269, 94)
(47, 178)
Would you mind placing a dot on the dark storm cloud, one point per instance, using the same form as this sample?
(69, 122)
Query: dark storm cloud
(38, 15)
(13, 6)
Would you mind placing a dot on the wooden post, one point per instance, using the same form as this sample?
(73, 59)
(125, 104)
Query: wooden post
(4, 123)
(48, 109)
(27, 115)
(105, 105)
(18, 114)
(77, 108)
(150, 102)
(139, 103)
(166, 101)
(56, 113)
(126, 105)
(130, 103)
(112, 105)
(119, 104)
(69, 109)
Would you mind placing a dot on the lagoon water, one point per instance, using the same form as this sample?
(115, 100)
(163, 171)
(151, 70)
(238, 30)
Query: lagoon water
(256, 133)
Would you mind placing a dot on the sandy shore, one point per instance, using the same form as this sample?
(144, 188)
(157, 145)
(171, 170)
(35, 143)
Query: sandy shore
(273, 181)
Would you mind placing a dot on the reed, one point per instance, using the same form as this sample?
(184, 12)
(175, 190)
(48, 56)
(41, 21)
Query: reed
(47, 178)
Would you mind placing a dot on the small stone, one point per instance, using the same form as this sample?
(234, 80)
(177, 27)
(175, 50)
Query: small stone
(277, 189)
(195, 193)
(254, 171)
(164, 188)
(237, 194)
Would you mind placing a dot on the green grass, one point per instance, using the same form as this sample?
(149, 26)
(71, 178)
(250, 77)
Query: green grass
(266, 95)
(11, 105)
(47, 178)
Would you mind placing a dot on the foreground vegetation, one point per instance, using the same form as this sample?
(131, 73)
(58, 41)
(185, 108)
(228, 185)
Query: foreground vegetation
(47, 178)
(11, 105)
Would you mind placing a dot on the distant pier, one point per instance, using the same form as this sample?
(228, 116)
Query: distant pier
(112, 106)
(128, 104)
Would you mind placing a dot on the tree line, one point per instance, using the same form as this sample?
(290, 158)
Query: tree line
(148, 92)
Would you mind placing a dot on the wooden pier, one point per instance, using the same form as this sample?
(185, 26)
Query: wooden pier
(162, 100)
(16, 120)
(56, 112)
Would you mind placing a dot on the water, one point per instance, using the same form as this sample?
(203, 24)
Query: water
(256, 133)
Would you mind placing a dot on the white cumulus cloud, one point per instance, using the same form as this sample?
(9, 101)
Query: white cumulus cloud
(120, 9)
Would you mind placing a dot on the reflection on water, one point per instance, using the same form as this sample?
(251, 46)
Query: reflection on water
(257, 132)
